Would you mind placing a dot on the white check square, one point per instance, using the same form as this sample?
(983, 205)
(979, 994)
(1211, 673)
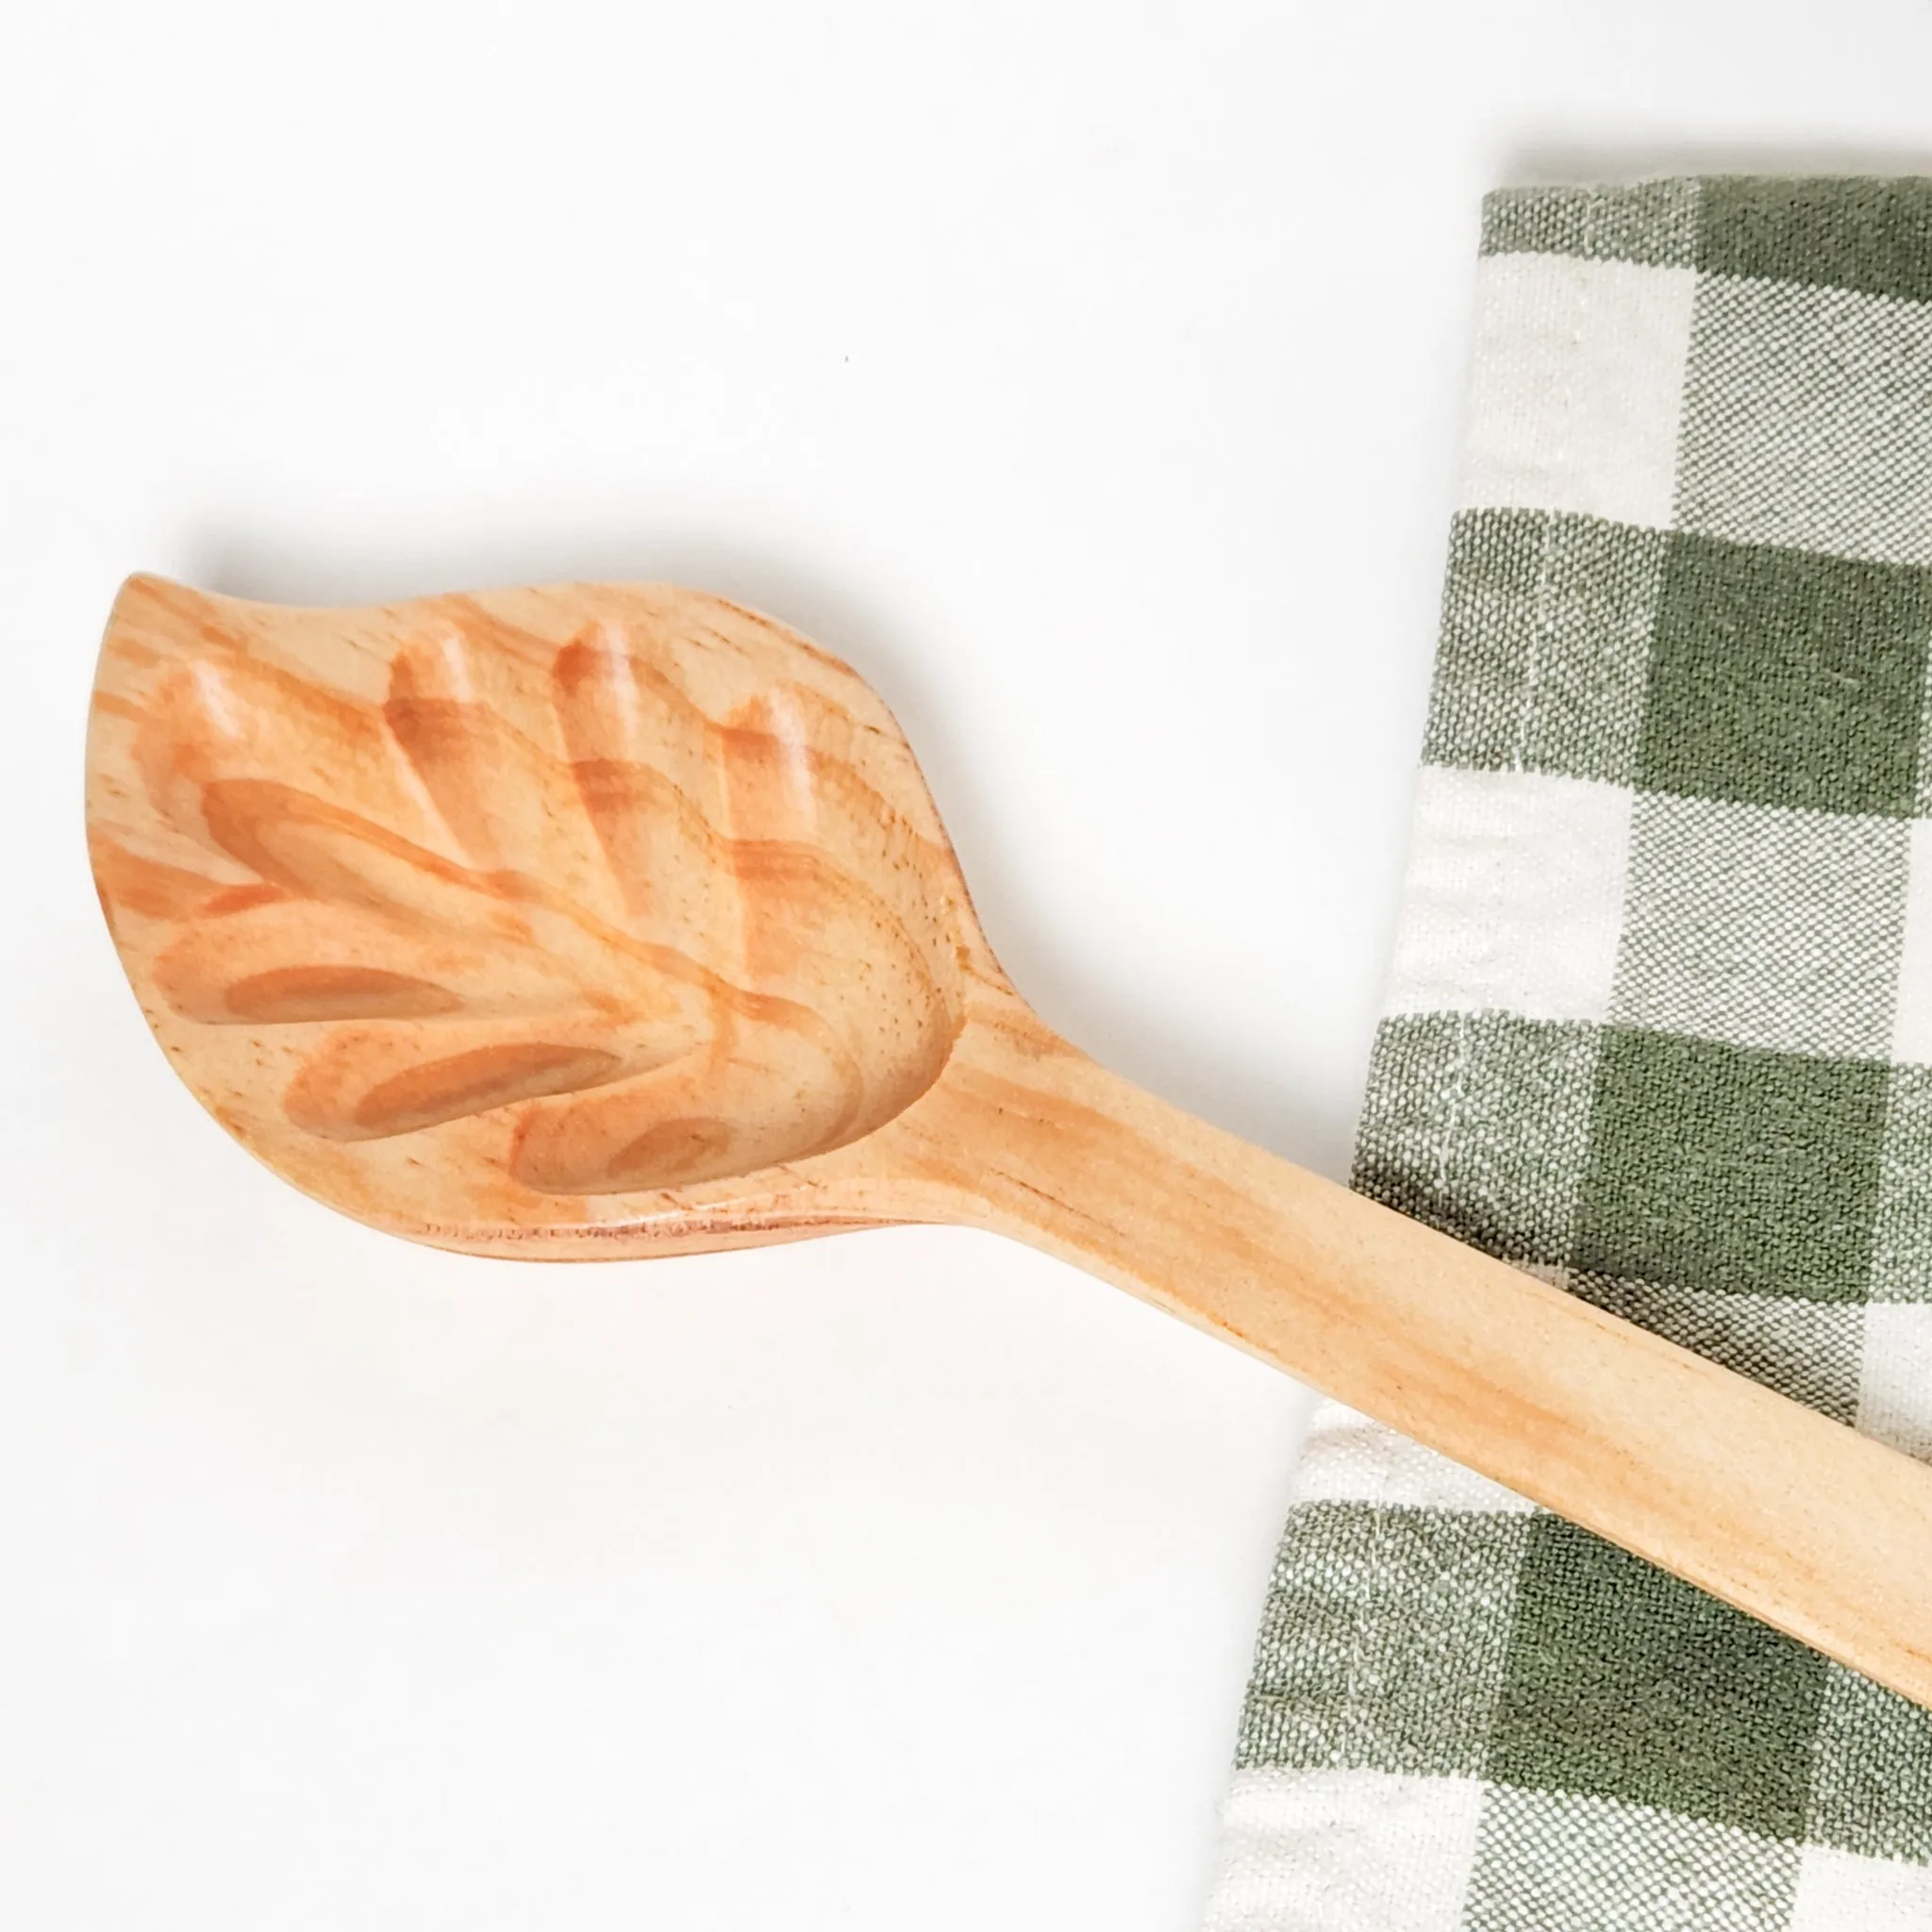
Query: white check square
(1577, 386)
(1514, 895)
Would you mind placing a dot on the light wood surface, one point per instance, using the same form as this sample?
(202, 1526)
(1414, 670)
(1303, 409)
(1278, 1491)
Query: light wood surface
(611, 921)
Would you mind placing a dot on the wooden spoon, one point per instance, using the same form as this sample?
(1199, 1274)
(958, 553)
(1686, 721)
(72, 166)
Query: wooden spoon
(615, 920)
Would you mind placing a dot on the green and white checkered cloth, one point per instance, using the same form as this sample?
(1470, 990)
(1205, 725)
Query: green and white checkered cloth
(1660, 1030)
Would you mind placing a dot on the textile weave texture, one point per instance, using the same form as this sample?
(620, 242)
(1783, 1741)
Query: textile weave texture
(1660, 1029)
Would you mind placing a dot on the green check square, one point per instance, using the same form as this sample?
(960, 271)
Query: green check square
(1654, 221)
(1551, 1862)
(1732, 1169)
(1624, 1682)
(1902, 1256)
(1545, 638)
(1825, 229)
(1478, 1123)
(1782, 678)
(1872, 1775)
(1383, 1640)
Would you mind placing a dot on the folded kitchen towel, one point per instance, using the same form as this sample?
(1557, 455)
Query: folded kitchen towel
(1660, 1029)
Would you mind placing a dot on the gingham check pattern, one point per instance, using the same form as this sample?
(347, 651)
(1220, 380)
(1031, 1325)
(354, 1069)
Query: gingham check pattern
(1660, 1030)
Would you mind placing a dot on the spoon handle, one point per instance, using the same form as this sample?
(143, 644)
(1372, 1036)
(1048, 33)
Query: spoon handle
(1819, 1531)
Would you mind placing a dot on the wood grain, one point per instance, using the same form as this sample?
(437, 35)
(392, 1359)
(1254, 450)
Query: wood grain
(603, 921)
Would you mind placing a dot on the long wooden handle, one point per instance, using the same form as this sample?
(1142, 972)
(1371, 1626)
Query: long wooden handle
(1797, 1519)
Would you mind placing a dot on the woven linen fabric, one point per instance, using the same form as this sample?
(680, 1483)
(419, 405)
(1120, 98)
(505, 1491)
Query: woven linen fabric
(1660, 1029)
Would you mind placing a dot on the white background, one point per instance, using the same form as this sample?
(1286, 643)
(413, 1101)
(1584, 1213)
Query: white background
(1088, 375)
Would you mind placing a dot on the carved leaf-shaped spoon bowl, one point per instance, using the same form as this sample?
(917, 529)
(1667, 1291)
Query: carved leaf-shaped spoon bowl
(615, 920)
(530, 921)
